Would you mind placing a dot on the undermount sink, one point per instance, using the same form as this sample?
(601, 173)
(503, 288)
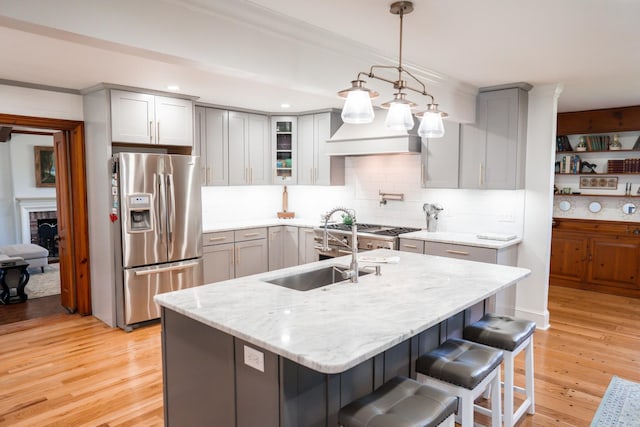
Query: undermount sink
(313, 279)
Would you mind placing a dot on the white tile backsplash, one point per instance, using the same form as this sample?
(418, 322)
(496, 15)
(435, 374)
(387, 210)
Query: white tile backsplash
(471, 211)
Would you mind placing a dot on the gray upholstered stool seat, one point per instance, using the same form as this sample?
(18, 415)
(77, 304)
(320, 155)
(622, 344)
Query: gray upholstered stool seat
(512, 335)
(466, 369)
(504, 332)
(400, 402)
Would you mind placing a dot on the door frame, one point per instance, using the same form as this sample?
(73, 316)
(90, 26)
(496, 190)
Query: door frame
(77, 202)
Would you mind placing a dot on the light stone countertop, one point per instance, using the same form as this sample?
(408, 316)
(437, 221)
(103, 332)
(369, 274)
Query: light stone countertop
(263, 222)
(333, 328)
(469, 239)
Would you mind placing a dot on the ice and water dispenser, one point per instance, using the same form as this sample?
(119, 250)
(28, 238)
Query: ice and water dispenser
(139, 211)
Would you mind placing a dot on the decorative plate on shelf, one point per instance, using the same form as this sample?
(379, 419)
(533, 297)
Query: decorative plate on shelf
(602, 183)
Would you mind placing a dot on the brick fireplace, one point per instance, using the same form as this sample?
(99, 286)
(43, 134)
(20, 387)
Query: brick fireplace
(43, 227)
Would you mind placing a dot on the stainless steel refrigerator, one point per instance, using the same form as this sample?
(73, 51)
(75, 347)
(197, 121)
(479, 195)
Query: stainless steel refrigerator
(157, 217)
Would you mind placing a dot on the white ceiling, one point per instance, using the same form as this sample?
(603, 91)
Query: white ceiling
(257, 54)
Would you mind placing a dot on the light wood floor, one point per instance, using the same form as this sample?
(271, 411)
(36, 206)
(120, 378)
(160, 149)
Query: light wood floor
(68, 370)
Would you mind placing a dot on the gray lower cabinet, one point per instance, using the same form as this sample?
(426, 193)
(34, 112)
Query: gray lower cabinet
(214, 379)
(306, 246)
(230, 254)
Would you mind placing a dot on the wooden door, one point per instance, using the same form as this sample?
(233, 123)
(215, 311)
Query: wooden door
(568, 257)
(65, 230)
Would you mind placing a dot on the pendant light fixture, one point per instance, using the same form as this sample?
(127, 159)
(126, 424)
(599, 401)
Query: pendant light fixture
(358, 108)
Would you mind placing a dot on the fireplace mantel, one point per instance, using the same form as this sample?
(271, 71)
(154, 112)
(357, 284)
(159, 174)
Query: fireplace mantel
(27, 205)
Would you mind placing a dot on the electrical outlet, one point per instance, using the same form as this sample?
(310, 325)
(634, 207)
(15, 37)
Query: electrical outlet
(506, 216)
(254, 358)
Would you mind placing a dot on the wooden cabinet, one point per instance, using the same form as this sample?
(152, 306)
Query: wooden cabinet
(249, 149)
(284, 157)
(440, 157)
(141, 118)
(492, 150)
(283, 247)
(601, 256)
(306, 246)
(315, 167)
(218, 256)
(212, 142)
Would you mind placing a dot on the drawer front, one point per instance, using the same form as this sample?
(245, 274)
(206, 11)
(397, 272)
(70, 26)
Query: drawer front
(471, 253)
(250, 234)
(412, 245)
(217, 238)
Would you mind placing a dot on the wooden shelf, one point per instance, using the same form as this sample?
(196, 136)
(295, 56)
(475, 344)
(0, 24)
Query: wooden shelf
(598, 151)
(597, 174)
(596, 195)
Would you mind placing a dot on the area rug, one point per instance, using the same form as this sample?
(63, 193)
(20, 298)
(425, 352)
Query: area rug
(620, 405)
(44, 284)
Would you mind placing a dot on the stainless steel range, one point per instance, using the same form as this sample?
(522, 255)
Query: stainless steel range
(370, 236)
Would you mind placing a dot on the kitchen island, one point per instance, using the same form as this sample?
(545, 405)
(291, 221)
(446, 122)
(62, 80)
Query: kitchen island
(246, 352)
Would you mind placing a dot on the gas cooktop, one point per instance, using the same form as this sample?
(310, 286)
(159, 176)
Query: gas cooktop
(381, 230)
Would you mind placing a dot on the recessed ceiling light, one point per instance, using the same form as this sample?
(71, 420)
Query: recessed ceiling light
(285, 105)
(173, 87)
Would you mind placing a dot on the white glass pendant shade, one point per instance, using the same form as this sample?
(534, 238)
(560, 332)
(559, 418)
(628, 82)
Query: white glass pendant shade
(431, 125)
(357, 107)
(399, 116)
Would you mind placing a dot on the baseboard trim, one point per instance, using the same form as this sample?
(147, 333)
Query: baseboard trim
(541, 319)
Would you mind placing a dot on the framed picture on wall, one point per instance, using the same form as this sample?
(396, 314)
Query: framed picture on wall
(45, 166)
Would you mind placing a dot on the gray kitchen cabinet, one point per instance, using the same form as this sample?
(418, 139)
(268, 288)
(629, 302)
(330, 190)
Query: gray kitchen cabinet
(249, 149)
(283, 247)
(315, 167)
(141, 118)
(212, 145)
(218, 256)
(306, 246)
(411, 245)
(252, 251)
(440, 157)
(284, 149)
(492, 150)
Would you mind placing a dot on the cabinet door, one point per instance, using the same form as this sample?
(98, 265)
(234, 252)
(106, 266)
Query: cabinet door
(259, 150)
(614, 261)
(472, 156)
(252, 257)
(217, 146)
(218, 262)
(306, 150)
(174, 121)
(568, 256)
(440, 158)
(276, 248)
(200, 141)
(132, 117)
(238, 150)
(284, 157)
(290, 246)
(329, 170)
(306, 246)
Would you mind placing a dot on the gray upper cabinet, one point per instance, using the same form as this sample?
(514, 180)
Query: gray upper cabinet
(492, 150)
(212, 145)
(141, 118)
(315, 167)
(440, 158)
(249, 149)
(284, 145)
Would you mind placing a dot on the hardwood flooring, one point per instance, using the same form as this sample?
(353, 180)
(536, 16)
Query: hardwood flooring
(68, 370)
(30, 309)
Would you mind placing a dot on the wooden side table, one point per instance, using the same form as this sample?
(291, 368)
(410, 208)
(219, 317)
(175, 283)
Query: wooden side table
(13, 274)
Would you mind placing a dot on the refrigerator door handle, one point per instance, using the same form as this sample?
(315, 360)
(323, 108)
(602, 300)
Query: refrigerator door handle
(160, 206)
(171, 207)
(165, 269)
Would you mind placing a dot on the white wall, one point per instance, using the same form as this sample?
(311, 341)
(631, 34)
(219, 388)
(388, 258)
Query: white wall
(23, 165)
(40, 103)
(465, 210)
(7, 227)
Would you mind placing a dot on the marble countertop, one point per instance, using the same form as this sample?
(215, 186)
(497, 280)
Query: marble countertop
(336, 327)
(263, 222)
(469, 239)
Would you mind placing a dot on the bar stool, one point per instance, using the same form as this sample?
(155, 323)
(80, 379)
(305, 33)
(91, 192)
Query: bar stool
(511, 335)
(400, 402)
(464, 369)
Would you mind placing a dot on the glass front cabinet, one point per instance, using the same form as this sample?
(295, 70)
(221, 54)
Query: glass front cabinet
(284, 156)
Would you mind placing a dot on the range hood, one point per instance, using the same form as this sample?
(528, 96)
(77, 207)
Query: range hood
(373, 138)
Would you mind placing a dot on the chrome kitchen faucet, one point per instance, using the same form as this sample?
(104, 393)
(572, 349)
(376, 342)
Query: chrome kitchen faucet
(352, 273)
